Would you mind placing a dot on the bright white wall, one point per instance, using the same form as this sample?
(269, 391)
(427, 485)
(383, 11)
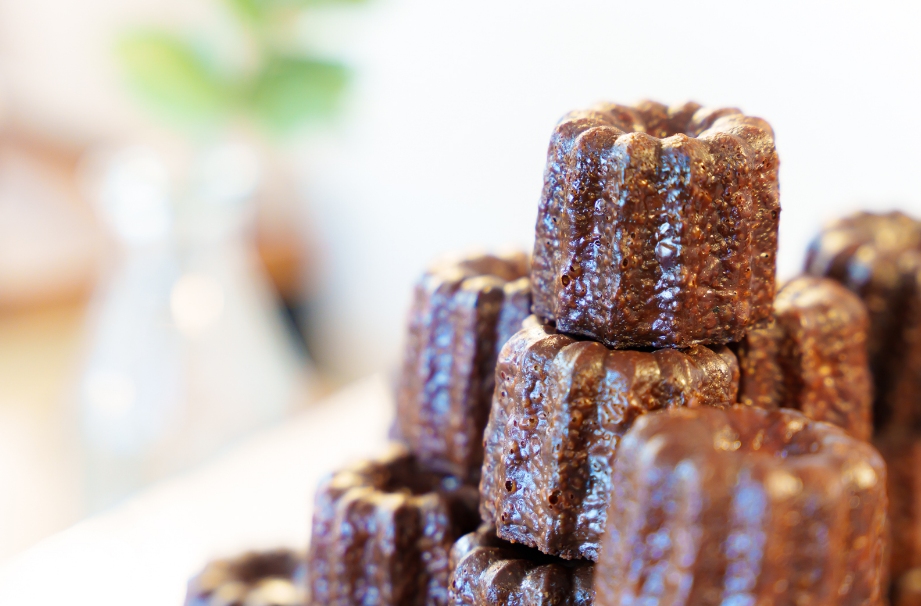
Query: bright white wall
(457, 101)
(443, 145)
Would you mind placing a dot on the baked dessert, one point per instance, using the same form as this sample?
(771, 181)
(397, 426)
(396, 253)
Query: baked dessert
(907, 589)
(744, 506)
(657, 226)
(382, 531)
(465, 309)
(269, 578)
(488, 571)
(902, 452)
(560, 409)
(811, 356)
(878, 256)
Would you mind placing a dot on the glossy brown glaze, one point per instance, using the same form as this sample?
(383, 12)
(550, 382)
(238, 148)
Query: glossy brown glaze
(812, 356)
(645, 241)
(382, 531)
(878, 256)
(907, 589)
(744, 506)
(464, 310)
(488, 571)
(270, 578)
(560, 409)
(901, 449)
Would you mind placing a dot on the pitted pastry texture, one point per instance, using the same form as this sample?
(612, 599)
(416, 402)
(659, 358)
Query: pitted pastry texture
(744, 506)
(878, 256)
(657, 226)
(465, 308)
(560, 410)
(812, 356)
(382, 532)
(488, 571)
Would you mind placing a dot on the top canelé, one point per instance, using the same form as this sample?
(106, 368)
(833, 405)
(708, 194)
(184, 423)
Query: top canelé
(657, 225)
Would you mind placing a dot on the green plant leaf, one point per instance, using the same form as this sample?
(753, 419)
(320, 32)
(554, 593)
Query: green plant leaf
(290, 90)
(253, 11)
(171, 76)
(322, 2)
(256, 10)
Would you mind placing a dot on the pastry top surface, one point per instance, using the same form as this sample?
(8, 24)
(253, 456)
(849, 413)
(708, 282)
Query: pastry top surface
(826, 298)
(661, 121)
(397, 473)
(491, 572)
(270, 578)
(849, 248)
(657, 378)
(478, 268)
(780, 435)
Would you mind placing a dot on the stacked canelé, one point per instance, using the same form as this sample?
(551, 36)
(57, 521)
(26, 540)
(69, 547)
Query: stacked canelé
(664, 429)
(878, 258)
(383, 530)
(663, 414)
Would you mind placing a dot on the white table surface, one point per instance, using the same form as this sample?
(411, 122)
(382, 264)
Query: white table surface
(258, 495)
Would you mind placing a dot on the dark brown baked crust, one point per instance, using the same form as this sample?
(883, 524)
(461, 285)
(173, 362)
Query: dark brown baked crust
(488, 571)
(878, 257)
(744, 506)
(382, 531)
(269, 578)
(643, 241)
(907, 589)
(901, 449)
(560, 409)
(812, 356)
(465, 309)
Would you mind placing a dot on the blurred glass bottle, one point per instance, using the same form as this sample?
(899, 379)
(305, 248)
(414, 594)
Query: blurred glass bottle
(187, 351)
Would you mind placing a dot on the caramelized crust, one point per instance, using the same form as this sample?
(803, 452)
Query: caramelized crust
(744, 506)
(907, 589)
(560, 409)
(645, 241)
(488, 571)
(812, 356)
(465, 309)
(901, 450)
(382, 531)
(878, 257)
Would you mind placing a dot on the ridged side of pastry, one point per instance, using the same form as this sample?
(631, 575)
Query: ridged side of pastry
(744, 506)
(878, 257)
(464, 310)
(644, 241)
(382, 533)
(812, 356)
(901, 450)
(560, 409)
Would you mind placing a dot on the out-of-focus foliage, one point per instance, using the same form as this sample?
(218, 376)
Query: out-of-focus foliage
(291, 89)
(173, 77)
(185, 81)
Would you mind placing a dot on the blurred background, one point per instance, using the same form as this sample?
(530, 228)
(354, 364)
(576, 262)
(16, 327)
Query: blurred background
(212, 211)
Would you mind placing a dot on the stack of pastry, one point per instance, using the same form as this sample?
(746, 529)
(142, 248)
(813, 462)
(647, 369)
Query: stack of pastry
(628, 416)
(878, 257)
